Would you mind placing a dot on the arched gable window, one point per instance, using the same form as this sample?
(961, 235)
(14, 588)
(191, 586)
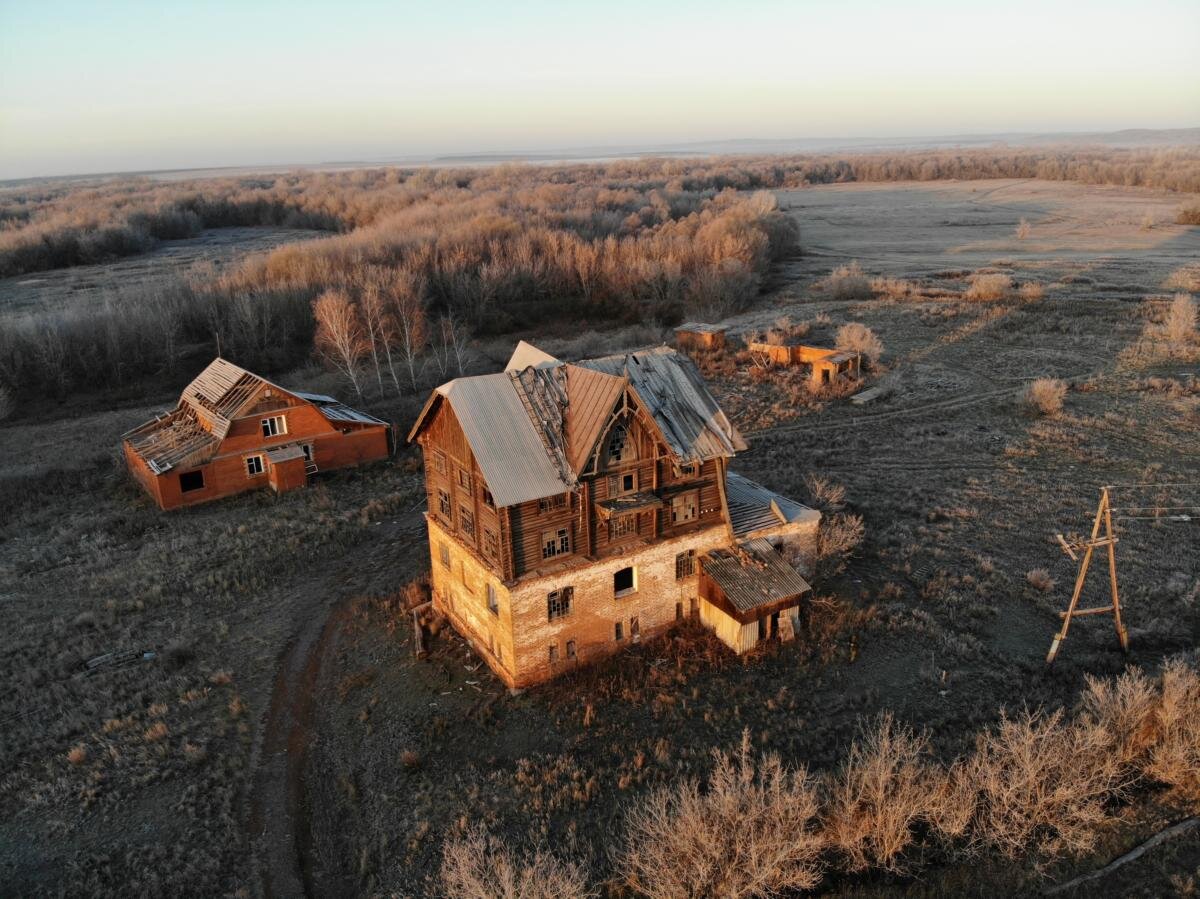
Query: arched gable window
(620, 446)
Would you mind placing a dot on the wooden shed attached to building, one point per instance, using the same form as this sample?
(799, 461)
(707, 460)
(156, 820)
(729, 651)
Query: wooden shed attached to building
(234, 431)
(698, 336)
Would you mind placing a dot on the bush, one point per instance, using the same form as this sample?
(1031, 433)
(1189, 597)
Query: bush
(1042, 784)
(824, 493)
(854, 337)
(478, 866)
(838, 537)
(1046, 395)
(749, 833)
(1188, 215)
(878, 795)
(989, 287)
(893, 288)
(849, 282)
(1174, 759)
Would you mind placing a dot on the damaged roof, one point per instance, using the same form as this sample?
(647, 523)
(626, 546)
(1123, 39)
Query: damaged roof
(675, 395)
(190, 434)
(752, 507)
(533, 427)
(753, 575)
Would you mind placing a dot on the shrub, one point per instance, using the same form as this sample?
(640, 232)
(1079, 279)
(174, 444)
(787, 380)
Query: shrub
(1125, 708)
(1188, 215)
(989, 287)
(1186, 279)
(1042, 784)
(855, 337)
(893, 288)
(1174, 759)
(878, 795)
(837, 539)
(849, 282)
(78, 755)
(749, 833)
(1031, 290)
(824, 493)
(1045, 395)
(478, 866)
(1039, 579)
(1024, 229)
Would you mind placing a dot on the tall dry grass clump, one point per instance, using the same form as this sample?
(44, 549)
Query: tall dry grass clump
(879, 794)
(849, 282)
(1031, 290)
(478, 866)
(749, 832)
(893, 288)
(988, 287)
(855, 337)
(1045, 396)
(1188, 215)
(1024, 230)
(1185, 279)
(1180, 326)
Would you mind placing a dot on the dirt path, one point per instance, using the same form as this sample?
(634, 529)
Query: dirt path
(278, 821)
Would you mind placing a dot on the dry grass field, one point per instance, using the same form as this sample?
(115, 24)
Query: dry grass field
(283, 734)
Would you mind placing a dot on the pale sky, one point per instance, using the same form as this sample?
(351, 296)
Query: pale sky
(117, 86)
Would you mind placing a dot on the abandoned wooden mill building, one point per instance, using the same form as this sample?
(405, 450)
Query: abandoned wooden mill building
(233, 431)
(576, 508)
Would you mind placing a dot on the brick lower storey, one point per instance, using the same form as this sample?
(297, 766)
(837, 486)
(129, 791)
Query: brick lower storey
(511, 627)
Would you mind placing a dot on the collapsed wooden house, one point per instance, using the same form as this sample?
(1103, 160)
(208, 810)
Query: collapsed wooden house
(576, 508)
(825, 365)
(233, 431)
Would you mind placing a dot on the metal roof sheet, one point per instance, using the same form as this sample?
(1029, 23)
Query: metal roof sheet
(286, 453)
(507, 448)
(526, 354)
(753, 574)
(752, 507)
(335, 411)
(675, 395)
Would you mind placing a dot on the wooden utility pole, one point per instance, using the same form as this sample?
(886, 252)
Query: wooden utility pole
(1103, 519)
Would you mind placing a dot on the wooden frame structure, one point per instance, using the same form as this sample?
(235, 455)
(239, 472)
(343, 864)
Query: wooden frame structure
(1109, 540)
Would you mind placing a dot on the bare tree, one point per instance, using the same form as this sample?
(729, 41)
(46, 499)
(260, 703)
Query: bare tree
(374, 320)
(407, 307)
(339, 339)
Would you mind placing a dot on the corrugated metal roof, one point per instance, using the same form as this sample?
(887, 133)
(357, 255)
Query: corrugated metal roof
(314, 397)
(526, 355)
(592, 396)
(675, 395)
(335, 411)
(752, 507)
(508, 450)
(753, 574)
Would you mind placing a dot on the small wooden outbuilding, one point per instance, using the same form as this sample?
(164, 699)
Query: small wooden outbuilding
(698, 336)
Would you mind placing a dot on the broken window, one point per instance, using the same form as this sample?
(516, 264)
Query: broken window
(488, 499)
(466, 521)
(550, 503)
(464, 479)
(684, 507)
(618, 443)
(635, 629)
(624, 581)
(444, 554)
(254, 466)
(553, 653)
(558, 603)
(493, 602)
(444, 505)
(191, 480)
(306, 448)
(622, 525)
(274, 426)
(491, 545)
(570, 649)
(439, 461)
(623, 484)
(619, 634)
(556, 543)
(685, 564)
